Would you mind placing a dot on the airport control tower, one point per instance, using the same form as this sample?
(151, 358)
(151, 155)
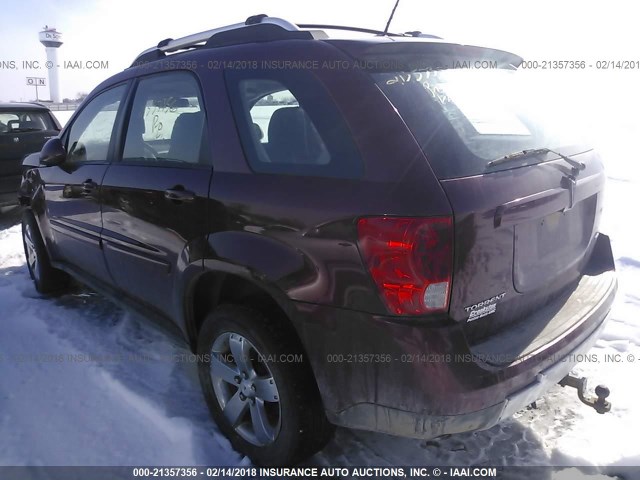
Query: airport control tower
(52, 39)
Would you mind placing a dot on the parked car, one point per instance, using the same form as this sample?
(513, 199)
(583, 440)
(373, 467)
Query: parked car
(24, 128)
(354, 232)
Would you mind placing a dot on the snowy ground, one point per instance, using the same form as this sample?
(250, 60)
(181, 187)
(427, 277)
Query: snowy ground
(66, 400)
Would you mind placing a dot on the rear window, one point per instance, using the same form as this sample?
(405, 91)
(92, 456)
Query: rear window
(25, 121)
(289, 125)
(464, 117)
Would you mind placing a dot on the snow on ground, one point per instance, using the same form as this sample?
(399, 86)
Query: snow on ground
(85, 383)
(129, 404)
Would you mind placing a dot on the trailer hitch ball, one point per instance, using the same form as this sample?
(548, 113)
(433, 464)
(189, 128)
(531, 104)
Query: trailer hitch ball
(599, 404)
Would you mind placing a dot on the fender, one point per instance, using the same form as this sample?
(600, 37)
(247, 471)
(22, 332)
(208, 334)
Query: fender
(260, 260)
(267, 258)
(30, 163)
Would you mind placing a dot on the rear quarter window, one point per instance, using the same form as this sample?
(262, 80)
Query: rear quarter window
(289, 125)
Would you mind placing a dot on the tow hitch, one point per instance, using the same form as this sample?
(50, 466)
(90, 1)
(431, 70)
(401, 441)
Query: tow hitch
(599, 403)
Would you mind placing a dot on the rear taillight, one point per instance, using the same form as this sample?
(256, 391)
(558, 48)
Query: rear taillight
(410, 260)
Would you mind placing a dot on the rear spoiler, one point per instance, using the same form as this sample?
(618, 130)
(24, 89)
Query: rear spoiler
(407, 56)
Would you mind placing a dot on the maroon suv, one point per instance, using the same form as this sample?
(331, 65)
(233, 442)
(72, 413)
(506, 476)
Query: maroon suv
(382, 233)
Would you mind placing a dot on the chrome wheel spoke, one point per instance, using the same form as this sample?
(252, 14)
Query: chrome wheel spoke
(266, 389)
(240, 349)
(263, 430)
(235, 409)
(219, 369)
(32, 257)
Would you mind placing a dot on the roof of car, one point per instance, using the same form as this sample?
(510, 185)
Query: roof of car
(23, 106)
(262, 28)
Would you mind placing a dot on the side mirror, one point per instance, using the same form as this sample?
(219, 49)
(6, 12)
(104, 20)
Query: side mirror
(52, 153)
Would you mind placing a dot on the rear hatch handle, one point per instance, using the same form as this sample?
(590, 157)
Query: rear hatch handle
(537, 204)
(551, 200)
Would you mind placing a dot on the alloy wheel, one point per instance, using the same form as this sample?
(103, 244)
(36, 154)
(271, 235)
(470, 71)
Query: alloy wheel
(245, 389)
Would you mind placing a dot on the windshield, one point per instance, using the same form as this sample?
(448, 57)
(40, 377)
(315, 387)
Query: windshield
(494, 112)
(25, 121)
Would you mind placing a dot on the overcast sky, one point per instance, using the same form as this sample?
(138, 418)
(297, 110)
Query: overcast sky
(117, 30)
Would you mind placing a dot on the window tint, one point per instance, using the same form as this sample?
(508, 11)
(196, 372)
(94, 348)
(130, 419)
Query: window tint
(167, 121)
(91, 131)
(289, 125)
(463, 118)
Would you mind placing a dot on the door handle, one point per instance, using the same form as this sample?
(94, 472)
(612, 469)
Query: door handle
(88, 186)
(179, 195)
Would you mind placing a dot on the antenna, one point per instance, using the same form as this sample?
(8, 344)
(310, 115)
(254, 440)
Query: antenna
(386, 29)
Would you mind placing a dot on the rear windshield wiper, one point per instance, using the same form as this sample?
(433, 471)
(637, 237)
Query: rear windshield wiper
(577, 166)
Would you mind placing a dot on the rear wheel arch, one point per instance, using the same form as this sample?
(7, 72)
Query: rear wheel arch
(287, 422)
(214, 288)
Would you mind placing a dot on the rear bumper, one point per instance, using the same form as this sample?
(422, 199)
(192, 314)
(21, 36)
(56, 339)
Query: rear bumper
(379, 418)
(420, 378)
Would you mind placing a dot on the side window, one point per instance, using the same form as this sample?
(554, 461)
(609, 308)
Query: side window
(288, 124)
(90, 134)
(294, 137)
(167, 121)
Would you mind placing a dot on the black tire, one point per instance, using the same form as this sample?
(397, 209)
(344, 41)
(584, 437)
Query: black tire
(303, 428)
(46, 278)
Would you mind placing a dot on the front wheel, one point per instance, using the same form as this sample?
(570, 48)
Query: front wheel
(259, 388)
(46, 278)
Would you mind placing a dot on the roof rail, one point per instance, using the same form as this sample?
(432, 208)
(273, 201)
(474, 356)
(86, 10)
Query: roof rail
(419, 34)
(191, 41)
(350, 29)
(257, 28)
(368, 30)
